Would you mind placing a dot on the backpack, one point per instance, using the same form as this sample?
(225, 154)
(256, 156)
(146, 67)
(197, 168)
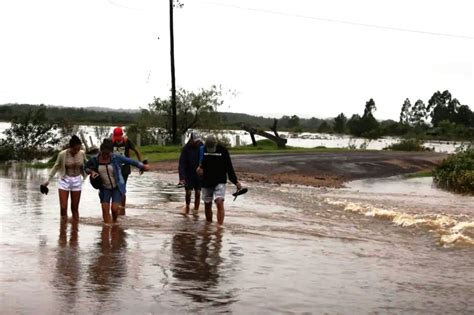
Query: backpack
(96, 182)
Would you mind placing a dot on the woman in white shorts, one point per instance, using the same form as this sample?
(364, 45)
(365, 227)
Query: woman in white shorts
(70, 165)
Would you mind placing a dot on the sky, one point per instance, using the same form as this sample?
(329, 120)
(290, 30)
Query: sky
(309, 58)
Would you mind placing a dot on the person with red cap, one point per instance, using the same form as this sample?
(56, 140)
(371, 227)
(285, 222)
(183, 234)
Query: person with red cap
(122, 146)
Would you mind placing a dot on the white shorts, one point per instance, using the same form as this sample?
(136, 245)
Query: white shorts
(70, 183)
(209, 193)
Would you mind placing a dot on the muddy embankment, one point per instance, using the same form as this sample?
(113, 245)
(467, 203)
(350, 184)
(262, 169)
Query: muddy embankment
(324, 169)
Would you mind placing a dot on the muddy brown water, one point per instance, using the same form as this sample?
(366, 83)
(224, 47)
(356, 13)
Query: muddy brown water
(377, 246)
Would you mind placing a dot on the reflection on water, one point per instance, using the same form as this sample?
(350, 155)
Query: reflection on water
(108, 265)
(68, 266)
(372, 247)
(196, 261)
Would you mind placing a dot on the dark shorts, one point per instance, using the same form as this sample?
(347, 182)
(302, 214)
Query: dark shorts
(106, 195)
(126, 170)
(125, 177)
(193, 186)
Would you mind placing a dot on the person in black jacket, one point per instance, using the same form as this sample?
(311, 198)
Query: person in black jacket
(215, 166)
(188, 162)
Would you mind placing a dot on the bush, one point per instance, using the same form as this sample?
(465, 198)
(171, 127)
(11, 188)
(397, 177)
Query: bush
(408, 145)
(456, 173)
(30, 136)
(6, 152)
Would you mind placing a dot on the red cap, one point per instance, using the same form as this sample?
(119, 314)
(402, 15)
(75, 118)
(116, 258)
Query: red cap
(118, 134)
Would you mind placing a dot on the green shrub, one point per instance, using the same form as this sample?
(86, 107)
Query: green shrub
(456, 172)
(408, 145)
(6, 152)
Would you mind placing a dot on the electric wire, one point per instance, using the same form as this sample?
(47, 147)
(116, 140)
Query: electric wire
(338, 21)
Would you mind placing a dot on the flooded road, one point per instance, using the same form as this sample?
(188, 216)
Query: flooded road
(377, 246)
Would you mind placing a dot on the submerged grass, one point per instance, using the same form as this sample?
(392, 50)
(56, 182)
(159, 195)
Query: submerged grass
(418, 174)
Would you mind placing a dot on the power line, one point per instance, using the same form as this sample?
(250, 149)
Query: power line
(339, 21)
(122, 6)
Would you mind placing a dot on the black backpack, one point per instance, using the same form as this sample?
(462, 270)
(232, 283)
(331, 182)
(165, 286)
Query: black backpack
(96, 182)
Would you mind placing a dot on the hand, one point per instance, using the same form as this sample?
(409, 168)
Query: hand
(200, 171)
(146, 167)
(239, 185)
(145, 162)
(182, 182)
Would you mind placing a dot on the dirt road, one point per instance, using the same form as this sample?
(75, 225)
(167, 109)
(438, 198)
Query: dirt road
(330, 169)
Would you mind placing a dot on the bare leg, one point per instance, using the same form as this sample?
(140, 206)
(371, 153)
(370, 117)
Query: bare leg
(197, 199)
(122, 205)
(62, 233)
(220, 211)
(106, 212)
(73, 237)
(63, 198)
(75, 198)
(208, 211)
(187, 199)
(115, 211)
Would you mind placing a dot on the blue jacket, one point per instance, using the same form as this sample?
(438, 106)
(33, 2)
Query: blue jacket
(117, 161)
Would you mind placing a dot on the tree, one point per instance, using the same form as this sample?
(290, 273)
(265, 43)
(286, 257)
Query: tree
(294, 122)
(365, 126)
(441, 106)
(405, 112)
(354, 125)
(340, 123)
(192, 109)
(417, 114)
(369, 108)
(31, 135)
(325, 127)
(464, 116)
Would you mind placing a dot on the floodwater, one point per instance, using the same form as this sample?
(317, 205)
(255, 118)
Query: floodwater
(301, 140)
(378, 246)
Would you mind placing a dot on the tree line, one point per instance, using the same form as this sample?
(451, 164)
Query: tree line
(443, 117)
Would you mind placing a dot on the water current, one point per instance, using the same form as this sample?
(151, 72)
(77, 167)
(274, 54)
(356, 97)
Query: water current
(377, 246)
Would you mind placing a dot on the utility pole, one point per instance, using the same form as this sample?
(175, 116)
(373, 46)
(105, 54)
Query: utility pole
(174, 122)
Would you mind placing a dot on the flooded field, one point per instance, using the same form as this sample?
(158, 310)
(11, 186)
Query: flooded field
(377, 246)
(302, 140)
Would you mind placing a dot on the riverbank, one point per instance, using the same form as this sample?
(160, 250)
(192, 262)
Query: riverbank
(324, 169)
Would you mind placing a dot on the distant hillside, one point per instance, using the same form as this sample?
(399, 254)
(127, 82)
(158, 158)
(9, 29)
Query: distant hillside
(102, 115)
(88, 115)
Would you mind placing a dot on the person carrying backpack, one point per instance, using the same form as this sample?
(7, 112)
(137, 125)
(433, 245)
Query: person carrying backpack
(108, 166)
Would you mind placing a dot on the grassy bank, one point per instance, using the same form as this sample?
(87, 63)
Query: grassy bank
(456, 173)
(156, 153)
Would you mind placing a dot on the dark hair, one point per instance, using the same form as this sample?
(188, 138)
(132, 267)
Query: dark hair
(74, 141)
(107, 145)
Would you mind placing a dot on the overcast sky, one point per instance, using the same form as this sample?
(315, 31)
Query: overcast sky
(295, 57)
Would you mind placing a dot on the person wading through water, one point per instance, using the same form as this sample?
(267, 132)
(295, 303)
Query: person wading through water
(214, 168)
(188, 162)
(70, 165)
(122, 146)
(108, 165)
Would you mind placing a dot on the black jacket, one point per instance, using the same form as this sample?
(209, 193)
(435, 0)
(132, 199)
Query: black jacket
(217, 166)
(188, 163)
